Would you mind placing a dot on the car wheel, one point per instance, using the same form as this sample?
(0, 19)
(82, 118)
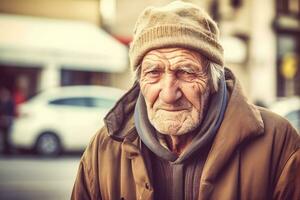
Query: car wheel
(48, 144)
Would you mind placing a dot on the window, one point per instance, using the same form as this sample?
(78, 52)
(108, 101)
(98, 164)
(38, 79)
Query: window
(294, 118)
(78, 77)
(84, 102)
(103, 103)
(287, 52)
(76, 101)
(288, 7)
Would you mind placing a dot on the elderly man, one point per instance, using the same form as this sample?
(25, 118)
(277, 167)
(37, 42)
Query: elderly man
(185, 130)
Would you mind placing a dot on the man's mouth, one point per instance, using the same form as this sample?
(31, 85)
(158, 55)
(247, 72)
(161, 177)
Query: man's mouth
(173, 109)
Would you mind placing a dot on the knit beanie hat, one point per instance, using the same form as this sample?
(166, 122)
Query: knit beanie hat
(178, 24)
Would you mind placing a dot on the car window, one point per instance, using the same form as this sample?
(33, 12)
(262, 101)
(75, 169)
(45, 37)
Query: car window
(103, 103)
(75, 101)
(294, 118)
(84, 102)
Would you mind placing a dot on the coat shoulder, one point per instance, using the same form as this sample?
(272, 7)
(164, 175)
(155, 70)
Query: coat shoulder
(280, 138)
(277, 126)
(101, 143)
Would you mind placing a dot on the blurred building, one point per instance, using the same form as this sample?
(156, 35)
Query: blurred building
(270, 31)
(51, 52)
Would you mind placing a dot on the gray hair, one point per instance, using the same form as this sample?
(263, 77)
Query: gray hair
(215, 71)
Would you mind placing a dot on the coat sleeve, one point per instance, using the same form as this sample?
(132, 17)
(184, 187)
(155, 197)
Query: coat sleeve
(288, 184)
(80, 188)
(86, 186)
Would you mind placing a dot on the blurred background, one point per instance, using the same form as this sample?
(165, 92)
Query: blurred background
(82, 45)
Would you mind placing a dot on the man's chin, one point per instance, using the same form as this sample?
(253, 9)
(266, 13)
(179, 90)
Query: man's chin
(173, 122)
(170, 115)
(171, 127)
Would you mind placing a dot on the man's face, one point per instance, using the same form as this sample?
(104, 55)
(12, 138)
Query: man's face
(175, 85)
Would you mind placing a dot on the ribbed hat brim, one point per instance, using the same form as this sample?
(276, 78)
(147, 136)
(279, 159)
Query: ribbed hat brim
(166, 36)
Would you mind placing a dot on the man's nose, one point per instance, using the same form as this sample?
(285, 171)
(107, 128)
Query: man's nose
(170, 91)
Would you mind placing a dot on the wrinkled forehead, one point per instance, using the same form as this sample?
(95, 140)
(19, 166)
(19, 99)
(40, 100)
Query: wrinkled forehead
(173, 56)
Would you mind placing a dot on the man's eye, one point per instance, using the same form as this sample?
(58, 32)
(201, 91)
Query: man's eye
(153, 73)
(183, 73)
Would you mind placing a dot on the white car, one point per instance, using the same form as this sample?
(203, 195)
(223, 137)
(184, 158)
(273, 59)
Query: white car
(62, 119)
(290, 109)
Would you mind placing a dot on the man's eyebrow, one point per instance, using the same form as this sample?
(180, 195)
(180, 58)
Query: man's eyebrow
(186, 65)
(186, 68)
(150, 66)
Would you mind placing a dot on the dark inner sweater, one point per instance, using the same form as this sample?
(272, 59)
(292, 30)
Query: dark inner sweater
(162, 174)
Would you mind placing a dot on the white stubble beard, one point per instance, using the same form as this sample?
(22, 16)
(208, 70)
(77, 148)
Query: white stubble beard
(178, 122)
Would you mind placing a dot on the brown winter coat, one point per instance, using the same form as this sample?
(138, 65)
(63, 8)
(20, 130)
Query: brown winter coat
(255, 155)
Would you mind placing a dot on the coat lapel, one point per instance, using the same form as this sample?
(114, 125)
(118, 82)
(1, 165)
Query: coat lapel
(144, 189)
(242, 121)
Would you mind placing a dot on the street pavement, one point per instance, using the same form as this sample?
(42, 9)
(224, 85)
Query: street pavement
(34, 178)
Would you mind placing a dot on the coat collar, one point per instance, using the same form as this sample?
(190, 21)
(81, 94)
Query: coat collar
(119, 120)
(242, 122)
